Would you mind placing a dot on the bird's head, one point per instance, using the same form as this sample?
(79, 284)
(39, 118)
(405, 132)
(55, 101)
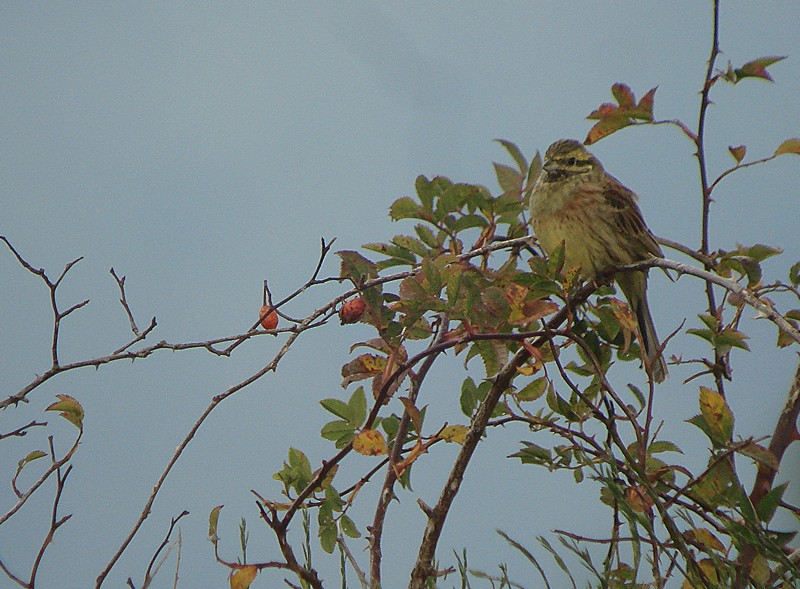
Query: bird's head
(567, 158)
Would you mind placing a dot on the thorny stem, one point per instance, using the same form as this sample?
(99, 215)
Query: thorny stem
(720, 368)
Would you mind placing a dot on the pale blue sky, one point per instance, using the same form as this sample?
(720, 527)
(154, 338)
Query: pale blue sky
(198, 150)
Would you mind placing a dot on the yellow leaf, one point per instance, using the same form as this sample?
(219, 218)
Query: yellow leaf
(717, 415)
(213, 519)
(760, 570)
(707, 566)
(70, 410)
(789, 146)
(738, 152)
(413, 413)
(243, 577)
(704, 539)
(370, 442)
(638, 499)
(454, 433)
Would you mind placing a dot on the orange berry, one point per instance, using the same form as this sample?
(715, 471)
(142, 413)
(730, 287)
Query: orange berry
(352, 310)
(269, 318)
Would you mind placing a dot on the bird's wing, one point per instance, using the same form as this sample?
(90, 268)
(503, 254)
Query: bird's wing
(627, 217)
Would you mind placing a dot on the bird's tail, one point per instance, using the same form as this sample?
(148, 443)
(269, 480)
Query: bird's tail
(634, 285)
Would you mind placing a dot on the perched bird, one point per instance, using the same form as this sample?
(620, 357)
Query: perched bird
(577, 202)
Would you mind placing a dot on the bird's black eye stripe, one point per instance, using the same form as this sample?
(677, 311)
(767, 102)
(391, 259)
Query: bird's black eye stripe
(575, 162)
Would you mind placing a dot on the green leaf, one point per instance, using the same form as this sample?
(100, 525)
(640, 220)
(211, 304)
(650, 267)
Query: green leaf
(761, 252)
(534, 170)
(349, 527)
(433, 277)
(508, 178)
(426, 191)
(69, 409)
(794, 274)
(533, 390)
(469, 397)
(469, 222)
(533, 454)
(515, 153)
(356, 267)
(760, 454)
(339, 432)
(391, 425)
(769, 503)
(663, 446)
(337, 407)
(427, 236)
(415, 246)
(327, 537)
(357, 407)
(404, 208)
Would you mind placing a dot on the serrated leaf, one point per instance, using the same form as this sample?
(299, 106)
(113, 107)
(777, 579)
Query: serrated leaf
(468, 222)
(358, 407)
(761, 252)
(533, 454)
(533, 390)
(412, 245)
(404, 208)
(363, 367)
(612, 118)
(327, 537)
(515, 153)
(794, 274)
(508, 178)
(427, 236)
(760, 454)
(69, 409)
(789, 146)
(663, 446)
(337, 407)
(340, 432)
(349, 527)
(356, 267)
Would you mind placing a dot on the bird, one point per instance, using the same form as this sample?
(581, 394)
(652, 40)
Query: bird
(576, 202)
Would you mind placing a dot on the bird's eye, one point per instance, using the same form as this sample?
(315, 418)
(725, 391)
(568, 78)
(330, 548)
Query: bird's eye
(571, 161)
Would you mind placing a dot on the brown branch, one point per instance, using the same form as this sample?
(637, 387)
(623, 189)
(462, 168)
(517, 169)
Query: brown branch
(54, 467)
(785, 433)
(764, 309)
(150, 572)
(23, 431)
(387, 491)
(55, 521)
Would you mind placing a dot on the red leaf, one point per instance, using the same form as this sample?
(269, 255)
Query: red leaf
(624, 95)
